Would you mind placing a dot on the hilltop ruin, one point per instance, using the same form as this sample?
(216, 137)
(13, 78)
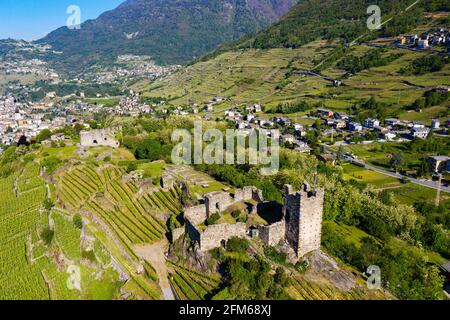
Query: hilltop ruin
(299, 227)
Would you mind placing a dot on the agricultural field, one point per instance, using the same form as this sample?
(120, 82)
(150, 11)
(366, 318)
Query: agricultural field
(273, 76)
(190, 284)
(249, 76)
(301, 289)
(30, 268)
(410, 193)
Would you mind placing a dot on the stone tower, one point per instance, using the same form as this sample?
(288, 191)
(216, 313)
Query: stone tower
(303, 212)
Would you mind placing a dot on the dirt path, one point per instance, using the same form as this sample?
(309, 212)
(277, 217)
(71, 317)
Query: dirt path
(154, 254)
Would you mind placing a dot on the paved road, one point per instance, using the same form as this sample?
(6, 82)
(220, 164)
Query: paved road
(425, 183)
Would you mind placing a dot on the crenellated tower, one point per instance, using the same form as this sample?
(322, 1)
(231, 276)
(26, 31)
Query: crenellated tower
(303, 213)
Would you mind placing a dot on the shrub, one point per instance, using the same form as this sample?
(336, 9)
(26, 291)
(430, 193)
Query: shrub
(48, 204)
(280, 277)
(131, 167)
(213, 219)
(236, 244)
(51, 163)
(77, 221)
(302, 266)
(235, 214)
(88, 255)
(242, 219)
(47, 235)
(275, 255)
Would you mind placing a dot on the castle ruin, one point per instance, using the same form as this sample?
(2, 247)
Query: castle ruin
(100, 137)
(300, 226)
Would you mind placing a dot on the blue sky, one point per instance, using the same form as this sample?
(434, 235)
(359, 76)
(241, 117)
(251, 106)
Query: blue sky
(33, 19)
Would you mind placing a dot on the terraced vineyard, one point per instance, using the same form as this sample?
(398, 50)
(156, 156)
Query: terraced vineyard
(19, 218)
(130, 213)
(32, 269)
(301, 289)
(190, 284)
(126, 214)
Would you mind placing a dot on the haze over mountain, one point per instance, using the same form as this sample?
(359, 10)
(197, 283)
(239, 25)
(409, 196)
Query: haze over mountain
(171, 31)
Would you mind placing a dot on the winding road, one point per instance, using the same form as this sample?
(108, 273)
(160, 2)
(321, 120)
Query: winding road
(424, 183)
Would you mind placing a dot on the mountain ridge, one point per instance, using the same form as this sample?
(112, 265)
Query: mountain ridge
(171, 31)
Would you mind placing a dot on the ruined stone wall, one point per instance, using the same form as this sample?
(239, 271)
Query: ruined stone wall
(217, 202)
(247, 194)
(196, 215)
(214, 236)
(168, 181)
(178, 233)
(291, 214)
(272, 234)
(193, 232)
(101, 137)
(310, 228)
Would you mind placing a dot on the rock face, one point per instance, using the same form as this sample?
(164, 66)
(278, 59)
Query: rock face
(171, 31)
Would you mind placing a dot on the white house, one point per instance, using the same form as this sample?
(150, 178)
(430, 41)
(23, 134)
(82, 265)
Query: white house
(421, 133)
(435, 124)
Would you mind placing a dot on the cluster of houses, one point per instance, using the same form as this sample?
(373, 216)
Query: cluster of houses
(426, 40)
(249, 122)
(25, 119)
(129, 67)
(130, 106)
(23, 67)
(16, 60)
(393, 129)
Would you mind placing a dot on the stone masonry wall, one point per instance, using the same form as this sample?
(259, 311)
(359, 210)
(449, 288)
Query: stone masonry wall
(310, 229)
(272, 234)
(303, 212)
(196, 215)
(101, 137)
(178, 233)
(217, 202)
(247, 194)
(291, 214)
(215, 235)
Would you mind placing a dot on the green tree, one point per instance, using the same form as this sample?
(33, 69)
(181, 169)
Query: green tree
(47, 235)
(397, 161)
(77, 221)
(48, 204)
(43, 135)
(340, 153)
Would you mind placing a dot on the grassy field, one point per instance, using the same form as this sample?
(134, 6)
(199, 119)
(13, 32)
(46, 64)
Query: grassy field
(379, 154)
(153, 169)
(376, 179)
(410, 193)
